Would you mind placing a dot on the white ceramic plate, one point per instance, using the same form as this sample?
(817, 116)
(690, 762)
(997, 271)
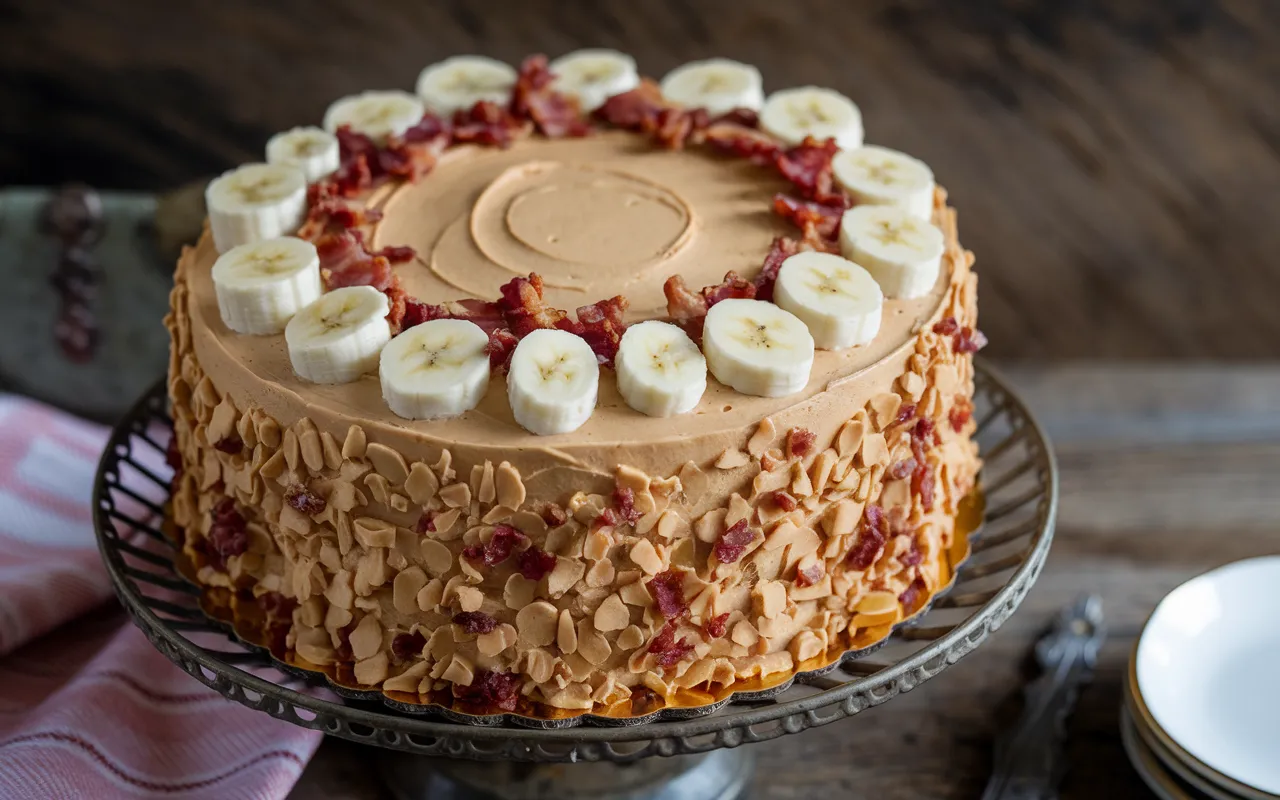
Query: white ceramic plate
(1208, 669)
(1163, 784)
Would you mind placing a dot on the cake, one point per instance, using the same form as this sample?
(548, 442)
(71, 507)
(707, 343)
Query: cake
(557, 390)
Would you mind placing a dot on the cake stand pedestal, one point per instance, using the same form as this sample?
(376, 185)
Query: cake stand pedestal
(435, 753)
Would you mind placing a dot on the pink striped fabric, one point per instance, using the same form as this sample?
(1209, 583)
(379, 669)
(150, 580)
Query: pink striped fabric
(88, 708)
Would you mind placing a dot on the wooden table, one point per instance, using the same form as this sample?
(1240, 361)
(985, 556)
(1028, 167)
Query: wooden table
(1115, 163)
(1166, 472)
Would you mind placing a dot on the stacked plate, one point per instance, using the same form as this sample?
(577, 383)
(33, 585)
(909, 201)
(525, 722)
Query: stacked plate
(1202, 698)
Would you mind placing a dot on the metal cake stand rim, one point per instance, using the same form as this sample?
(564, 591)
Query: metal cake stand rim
(388, 726)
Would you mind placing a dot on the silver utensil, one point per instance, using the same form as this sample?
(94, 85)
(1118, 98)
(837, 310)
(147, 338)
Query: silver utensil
(1030, 761)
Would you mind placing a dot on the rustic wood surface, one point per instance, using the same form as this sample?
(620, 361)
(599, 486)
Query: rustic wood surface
(1116, 163)
(1141, 513)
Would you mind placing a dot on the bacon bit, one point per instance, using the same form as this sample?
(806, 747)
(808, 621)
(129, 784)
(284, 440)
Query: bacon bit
(743, 141)
(926, 434)
(906, 412)
(872, 535)
(600, 325)
(502, 344)
(535, 563)
(487, 124)
(407, 645)
(810, 575)
(784, 501)
(606, 519)
(344, 261)
(229, 444)
(636, 110)
(960, 413)
(781, 249)
(684, 305)
(901, 469)
(808, 166)
(799, 442)
(491, 689)
(733, 287)
(396, 255)
(624, 499)
(475, 621)
(923, 484)
(228, 535)
(522, 306)
(555, 115)
(913, 594)
(303, 501)
(913, 556)
(426, 523)
(947, 326)
(676, 126)
(740, 116)
(431, 129)
(327, 212)
(716, 626)
(970, 340)
(733, 543)
(667, 589)
(504, 540)
(553, 515)
(819, 223)
(668, 650)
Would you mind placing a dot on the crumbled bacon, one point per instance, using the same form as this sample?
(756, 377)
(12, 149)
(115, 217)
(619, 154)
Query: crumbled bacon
(819, 223)
(913, 594)
(475, 622)
(228, 534)
(970, 340)
(733, 542)
(923, 484)
(600, 325)
(960, 414)
(906, 412)
(799, 442)
(810, 575)
(523, 308)
(491, 689)
(668, 650)
(502, 543)
(304, 501)
(624, 500)
(229, 444)
(396, 255)
(635, 110)
(685, 306)
(901, 469)
(716, 626)
(426, 523)
(607, 518)
(344, 261)
(781, 249)
(667, 589)
(553, 515)
(733, 287)
(923, 436)
(913, 556)
(735, 138)
(327, 212)
(872, 534)
(407, 645)
(785, 501)
(674, 127)
(740, 116)
(926, 433)
(536, 563)
(501, 346)
(808, 166)
(947, 326)
(487, 124)
(555, 115)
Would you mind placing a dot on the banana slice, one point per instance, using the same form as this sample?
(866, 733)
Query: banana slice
(717, 84)
(552, 382)
(261, 285)
(838, 300)
(900, 250)
(879, 176)
(792, 114)
(757, 348)
(255, 202)
(310, 149)
(378, 115)
(594, 75)
(436, 369)
(661, 372)
(462, 81)
(339, 337)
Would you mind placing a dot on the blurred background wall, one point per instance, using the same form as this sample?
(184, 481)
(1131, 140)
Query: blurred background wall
(1116, 163)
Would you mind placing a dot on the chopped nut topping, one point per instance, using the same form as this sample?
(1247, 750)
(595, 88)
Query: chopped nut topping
(710, 525)
(646, 557)
(366, 639)
(850, 437)
(372, 532)
(421, 483)
(429, 596)
(732, 458)
(496, 641)
(371, 671)
(457, 495)
(612, 615)
(509, 486)
(469, 598)
(772, 598)
(408, 582)
(354, 445)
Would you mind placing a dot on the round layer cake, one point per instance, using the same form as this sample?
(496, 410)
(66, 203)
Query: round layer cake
(440, 519)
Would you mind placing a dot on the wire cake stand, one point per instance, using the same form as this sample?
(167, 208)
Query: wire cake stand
(428, 755)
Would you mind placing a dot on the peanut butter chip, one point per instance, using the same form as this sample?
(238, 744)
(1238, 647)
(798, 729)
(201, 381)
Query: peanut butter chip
(422, 484)
(612, 615)
(630, 638)
(388, 463)
(354, 445)
(366, 639)
(510, 487)
(732, 458)
(405, 588)
(437, 557)
(761, 439)
(646, 557)
(566, 633)
(537, 623)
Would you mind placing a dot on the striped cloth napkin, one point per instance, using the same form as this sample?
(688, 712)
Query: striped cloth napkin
(88, 708)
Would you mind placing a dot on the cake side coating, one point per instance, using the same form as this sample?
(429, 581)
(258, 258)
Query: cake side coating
(670, 562)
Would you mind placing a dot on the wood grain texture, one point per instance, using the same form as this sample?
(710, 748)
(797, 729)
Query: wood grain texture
(1139, 515)
(1116, 162)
